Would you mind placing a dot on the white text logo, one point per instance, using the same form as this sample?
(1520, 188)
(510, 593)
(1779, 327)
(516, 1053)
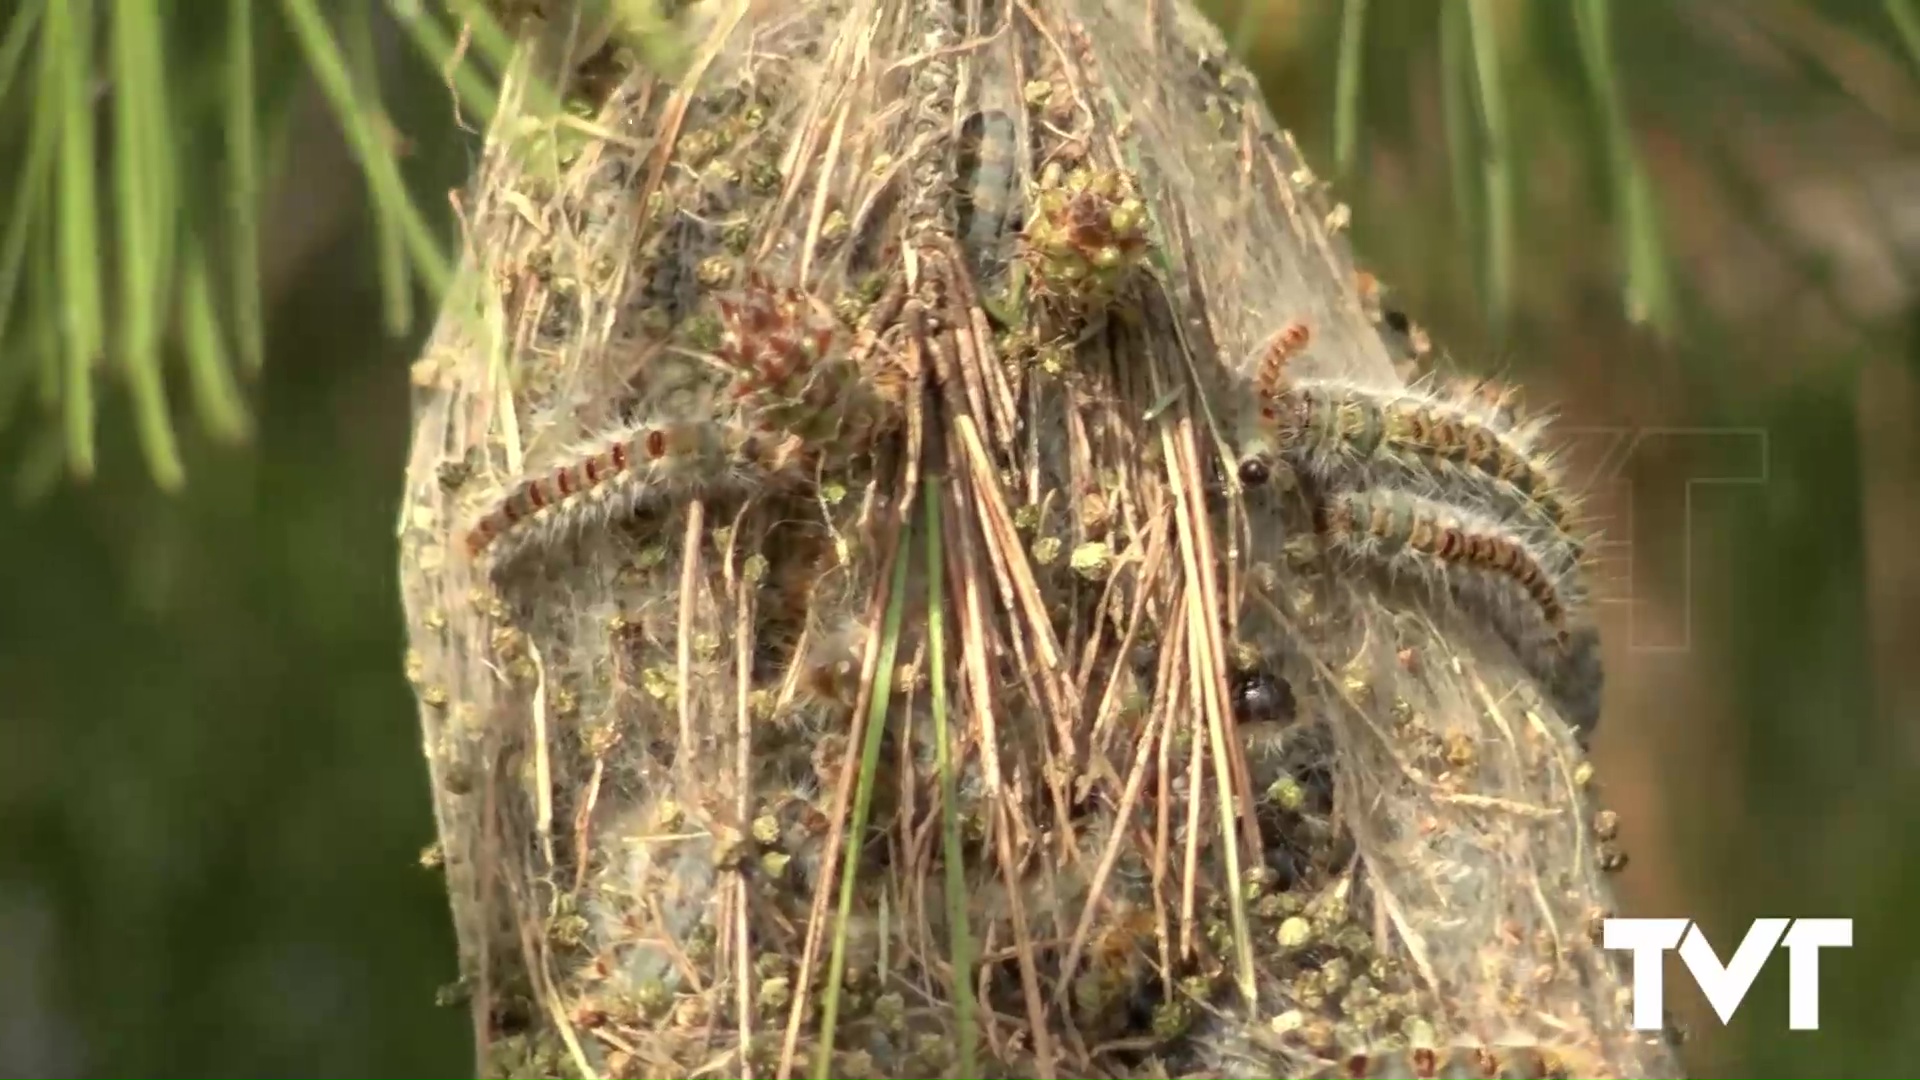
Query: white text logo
(1726, 985)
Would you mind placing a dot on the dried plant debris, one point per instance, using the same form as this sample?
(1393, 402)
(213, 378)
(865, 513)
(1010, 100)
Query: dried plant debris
(1257, 670)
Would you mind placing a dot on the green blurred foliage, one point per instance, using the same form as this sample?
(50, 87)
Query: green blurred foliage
(211, 789)
(211, 792)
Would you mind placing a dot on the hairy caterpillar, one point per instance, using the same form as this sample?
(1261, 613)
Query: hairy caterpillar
(1343, 435)
(1436, 542)
(794, 394)
(627, 471)
(1432, 537)
(1331, 426)
(1289, 341)
(1489, 401)
(988, 187)
(1445, 483)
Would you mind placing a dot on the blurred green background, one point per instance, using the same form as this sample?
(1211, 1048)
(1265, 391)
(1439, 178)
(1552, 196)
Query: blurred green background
(1692, 228)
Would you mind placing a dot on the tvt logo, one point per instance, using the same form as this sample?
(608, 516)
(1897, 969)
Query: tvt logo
(1726, 985)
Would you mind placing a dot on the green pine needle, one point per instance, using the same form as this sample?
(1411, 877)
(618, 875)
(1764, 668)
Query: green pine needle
(1649, 291)
(142, 157)
(1346, 98)
(1456, 104)
(375, 153)
(396, 291)
(470, 87)
(216, 394)
(242, 130)
(863, 799)
(961, 947)
(1496, 161)
(498, 48)
(489, 38)
(67, 74)
(93, 281)
(30, 190)
(30, 186)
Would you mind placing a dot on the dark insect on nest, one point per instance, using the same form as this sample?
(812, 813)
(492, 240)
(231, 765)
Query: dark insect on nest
(838, 658)
(1262, 696)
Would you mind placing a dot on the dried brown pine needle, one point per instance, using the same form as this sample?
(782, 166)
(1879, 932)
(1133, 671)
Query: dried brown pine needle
(1185, 792)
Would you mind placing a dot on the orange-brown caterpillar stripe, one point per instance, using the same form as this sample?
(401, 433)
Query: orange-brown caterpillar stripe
(643, 465)
(565, 482)
(1285, 344)
(1398, 522)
